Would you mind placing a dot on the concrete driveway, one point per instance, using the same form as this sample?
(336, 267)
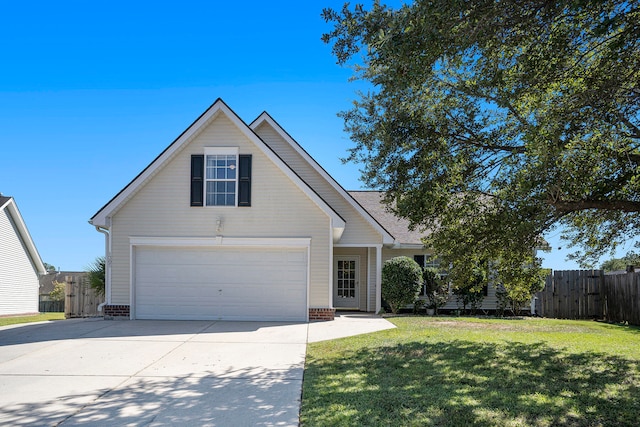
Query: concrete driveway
(96, 372)
(159, 373)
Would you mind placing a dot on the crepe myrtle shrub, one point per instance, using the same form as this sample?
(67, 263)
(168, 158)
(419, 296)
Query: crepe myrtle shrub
(469, 288)
(436, 289)
(401, 282)
(520, 283)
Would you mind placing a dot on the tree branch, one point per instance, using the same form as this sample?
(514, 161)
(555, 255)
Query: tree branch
(609, 205)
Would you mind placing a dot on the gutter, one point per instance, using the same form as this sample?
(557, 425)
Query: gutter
(107, 266)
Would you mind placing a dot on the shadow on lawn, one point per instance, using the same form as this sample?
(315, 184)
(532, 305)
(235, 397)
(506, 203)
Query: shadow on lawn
(460, 383)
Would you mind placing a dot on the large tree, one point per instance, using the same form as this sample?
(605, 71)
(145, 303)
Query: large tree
(492, 123)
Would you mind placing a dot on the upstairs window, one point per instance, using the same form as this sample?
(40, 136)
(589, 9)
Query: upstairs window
(221, 177)
(221, 173)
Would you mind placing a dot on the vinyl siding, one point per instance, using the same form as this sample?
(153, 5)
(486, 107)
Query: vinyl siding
(357, 230)
(18, 279)
(161, 207)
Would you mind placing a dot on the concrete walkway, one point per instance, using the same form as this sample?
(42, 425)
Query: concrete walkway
(160, 373)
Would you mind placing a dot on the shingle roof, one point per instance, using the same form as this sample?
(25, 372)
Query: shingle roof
(398, 227)
(4, 199)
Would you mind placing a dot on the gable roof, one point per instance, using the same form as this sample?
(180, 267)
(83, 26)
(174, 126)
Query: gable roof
(399, 227)
(101, 218)
(387, 237)
(8, 205)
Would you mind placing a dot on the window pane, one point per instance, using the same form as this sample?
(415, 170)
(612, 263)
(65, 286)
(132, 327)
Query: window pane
(232, 168)
(221, 185)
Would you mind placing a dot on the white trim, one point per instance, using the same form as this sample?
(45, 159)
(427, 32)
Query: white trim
(387, 238)
(223, 151)
(368, 279)
(220, 241)
(25, 237)
(378, 278)
(218, 107)
(132, 293)
(416, 246)
(331, 283)
(220, 151)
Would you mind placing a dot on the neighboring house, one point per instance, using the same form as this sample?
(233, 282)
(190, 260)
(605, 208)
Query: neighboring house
(20, 263)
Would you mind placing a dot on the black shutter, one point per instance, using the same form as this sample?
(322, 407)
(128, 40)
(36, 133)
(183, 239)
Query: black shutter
(244, 180)
(197, 180)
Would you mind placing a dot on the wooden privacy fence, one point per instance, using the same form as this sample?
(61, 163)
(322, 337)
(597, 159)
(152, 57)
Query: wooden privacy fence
(590, 294)
(622, 298)
(80, 299)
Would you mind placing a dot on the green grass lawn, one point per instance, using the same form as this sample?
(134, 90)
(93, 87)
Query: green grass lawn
(4, 321)
(449, 371)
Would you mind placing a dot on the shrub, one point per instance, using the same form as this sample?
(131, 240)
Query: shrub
(58, 292)
(471, 291)
(437, 290)
(96, 272)
(401, 282)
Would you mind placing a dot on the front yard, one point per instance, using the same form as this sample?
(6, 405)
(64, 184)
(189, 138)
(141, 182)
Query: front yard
(449, 371)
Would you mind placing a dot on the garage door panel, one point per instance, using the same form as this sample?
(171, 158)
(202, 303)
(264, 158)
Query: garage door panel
(221, 283)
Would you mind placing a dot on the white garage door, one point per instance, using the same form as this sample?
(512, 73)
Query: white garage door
(208, 283)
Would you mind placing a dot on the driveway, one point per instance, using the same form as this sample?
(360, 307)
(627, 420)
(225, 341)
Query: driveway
(97, 372)
(159, 373)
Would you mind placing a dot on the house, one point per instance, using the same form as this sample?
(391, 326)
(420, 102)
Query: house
(410, 245)
(20, 263)
(237, 221)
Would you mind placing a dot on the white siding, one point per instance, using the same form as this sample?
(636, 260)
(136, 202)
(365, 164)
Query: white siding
(18, 278)
(278, 209)
(357, 230)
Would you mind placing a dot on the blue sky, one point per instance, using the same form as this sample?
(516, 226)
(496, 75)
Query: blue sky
(92, 92)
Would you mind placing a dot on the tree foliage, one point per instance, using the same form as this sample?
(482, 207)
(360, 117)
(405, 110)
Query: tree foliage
(491, 123)
(469, 284)
(631, 258)
(436, 289)
(401, 282)
(96, 272)
(58, 292)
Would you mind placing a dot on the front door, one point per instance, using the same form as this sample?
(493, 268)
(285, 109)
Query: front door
(346, 282)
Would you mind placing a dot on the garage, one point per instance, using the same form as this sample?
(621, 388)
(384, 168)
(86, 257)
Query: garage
(220, 283)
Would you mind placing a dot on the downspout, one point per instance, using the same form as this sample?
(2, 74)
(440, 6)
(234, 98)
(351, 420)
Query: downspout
(107, 266)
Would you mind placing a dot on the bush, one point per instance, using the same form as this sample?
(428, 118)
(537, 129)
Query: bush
(401, 282)
(437, 290)
(96, 272)
(471, 291)
(58, 292)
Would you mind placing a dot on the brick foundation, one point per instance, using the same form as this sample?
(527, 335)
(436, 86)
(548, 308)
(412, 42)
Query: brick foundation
(321, 314)
(116, 311)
